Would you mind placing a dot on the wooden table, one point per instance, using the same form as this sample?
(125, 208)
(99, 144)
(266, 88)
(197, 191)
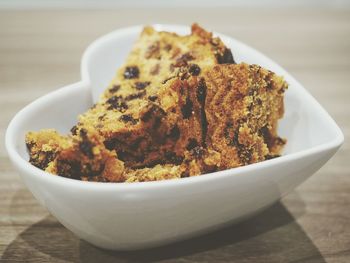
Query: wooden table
(40, 51)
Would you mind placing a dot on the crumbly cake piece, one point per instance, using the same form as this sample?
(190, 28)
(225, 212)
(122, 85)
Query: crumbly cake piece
(243, 105)
(80, 157)
(43, 146)
(179, 107)
(139, 123)
(159, 56)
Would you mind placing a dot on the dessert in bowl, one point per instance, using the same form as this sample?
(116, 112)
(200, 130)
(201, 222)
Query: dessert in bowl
(145, 214)
(179, 106)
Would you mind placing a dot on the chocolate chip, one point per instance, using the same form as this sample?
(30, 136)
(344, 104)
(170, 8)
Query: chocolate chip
(153, 51)
(117, 103)
(183, 60)
(83, 133)
(128, 118)
(131, 72)
(114, 89)
(174, 133)
(85, 145)
(109, 144)
(173, 158)
(264, 131)
(74, 130)
(194, 70)
(187, 108)
(153, 98)
(69, 168)
(226, 57)
(135, 95)
(232, 137)
(122, 155)
(191, 144)
(141, 85)
(153, 111)
(112, 143)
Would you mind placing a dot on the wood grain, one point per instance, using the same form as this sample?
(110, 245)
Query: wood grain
(40, 51)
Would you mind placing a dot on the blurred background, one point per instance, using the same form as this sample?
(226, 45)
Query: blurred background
(41, 44)
(164, 3)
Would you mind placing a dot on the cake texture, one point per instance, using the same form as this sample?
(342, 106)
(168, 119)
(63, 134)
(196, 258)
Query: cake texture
(180, 106)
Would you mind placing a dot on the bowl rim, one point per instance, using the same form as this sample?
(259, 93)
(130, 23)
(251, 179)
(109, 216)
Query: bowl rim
(24, 165)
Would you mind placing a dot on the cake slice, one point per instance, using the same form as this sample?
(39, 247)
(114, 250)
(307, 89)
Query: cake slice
(243, 105)
(179, 107)
(149, 113)
(82, 157)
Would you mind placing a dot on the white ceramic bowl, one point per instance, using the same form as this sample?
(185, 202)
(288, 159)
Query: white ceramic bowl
(140, 215)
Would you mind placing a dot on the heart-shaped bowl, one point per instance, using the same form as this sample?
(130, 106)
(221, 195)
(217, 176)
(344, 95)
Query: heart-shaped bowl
(126, 216)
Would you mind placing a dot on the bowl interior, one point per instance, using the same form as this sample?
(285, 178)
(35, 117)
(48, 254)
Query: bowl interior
(305, 124)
